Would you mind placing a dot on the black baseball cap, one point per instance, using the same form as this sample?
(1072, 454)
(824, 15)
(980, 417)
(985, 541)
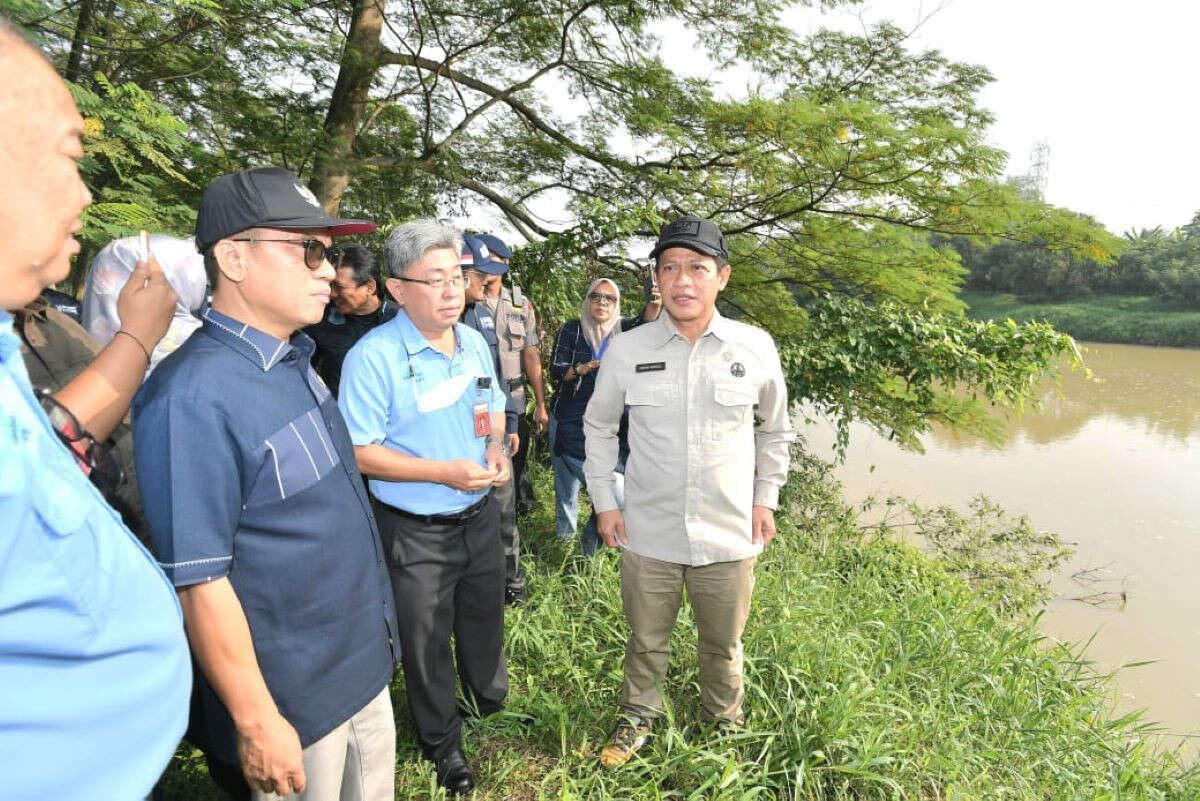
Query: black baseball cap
(264, 198)
(694, 233)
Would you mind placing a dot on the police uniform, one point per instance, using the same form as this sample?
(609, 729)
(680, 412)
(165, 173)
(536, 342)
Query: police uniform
(697, 464)
(516, 329)
(446, 562)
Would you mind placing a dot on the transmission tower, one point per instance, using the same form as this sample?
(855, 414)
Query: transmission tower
(1039, 168)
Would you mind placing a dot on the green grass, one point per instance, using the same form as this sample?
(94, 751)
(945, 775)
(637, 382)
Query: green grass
(872, 673)
(1133, 319)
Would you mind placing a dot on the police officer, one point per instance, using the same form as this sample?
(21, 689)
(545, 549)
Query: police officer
(481, 268)
(701, 482)
(426, 415)
(520, 360)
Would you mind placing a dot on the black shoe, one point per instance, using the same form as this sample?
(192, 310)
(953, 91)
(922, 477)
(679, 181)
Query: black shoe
(515, 596)
(454, 774)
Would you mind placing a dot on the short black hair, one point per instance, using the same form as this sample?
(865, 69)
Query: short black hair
(212, 270)
(361, 262)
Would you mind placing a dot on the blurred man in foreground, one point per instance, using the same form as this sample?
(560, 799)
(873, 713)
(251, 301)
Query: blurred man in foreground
(94, 674)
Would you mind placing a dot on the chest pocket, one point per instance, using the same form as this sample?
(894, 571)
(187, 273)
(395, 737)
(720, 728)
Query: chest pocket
(652, 402)
(297, 456)
(733, 405)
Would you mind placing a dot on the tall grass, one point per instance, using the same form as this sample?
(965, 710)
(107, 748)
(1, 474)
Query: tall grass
(1137, 320)
(872, 673)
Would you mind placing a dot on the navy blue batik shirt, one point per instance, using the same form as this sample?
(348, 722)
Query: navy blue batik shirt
(247, 472)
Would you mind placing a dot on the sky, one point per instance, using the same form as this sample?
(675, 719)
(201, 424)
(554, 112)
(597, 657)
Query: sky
(1110, 86)
(1105, 84)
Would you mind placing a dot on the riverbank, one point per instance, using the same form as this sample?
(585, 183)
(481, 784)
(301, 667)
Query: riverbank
(1129, 319)
(872, 673)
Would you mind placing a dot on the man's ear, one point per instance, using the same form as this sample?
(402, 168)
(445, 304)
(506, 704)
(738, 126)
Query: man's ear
(395, 288)
(229, 261)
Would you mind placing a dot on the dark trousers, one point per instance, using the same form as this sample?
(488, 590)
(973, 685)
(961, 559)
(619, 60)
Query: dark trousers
(504, 498)
(447, 579)
(524, 487)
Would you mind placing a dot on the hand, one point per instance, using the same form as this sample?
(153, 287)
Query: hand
(146, 303)
(468, 476)
(762, 525)
(583, 368)
(541, 418)
(611, 525)
(514, 442)
(498, 462)
(270, 754)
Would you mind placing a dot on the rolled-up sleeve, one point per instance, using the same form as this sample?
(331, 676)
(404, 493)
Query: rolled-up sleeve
(190, 476)
(601, 422)
(773, 431)
(365, 394)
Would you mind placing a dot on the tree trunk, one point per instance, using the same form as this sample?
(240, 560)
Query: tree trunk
(360, 62)
(83, 27)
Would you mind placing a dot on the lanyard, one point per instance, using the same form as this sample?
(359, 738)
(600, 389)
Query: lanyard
(598, 355)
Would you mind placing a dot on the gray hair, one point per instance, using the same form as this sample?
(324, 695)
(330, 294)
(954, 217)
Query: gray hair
(408, 243)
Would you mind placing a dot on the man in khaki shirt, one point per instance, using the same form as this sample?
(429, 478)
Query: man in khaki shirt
(708, 438)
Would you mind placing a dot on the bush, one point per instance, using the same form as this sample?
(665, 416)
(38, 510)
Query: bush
(873, 672)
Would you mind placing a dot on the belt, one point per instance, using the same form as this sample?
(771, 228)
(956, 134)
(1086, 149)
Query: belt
(456, 519)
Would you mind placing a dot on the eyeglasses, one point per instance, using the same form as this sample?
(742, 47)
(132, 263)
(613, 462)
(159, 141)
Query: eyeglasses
(438, 284)
(315, 251)
(92, 457)
(600, 297)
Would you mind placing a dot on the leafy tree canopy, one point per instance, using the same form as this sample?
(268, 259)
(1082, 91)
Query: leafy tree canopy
(833, 172)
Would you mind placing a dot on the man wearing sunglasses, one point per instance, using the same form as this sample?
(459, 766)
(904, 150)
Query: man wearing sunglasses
(259, 516)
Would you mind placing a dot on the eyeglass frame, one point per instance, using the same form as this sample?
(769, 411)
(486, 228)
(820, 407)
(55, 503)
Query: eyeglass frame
(438, 284)
(331, 253)
(597, 297)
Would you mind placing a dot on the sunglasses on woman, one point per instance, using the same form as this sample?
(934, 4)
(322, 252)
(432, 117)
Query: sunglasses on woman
(600, 297)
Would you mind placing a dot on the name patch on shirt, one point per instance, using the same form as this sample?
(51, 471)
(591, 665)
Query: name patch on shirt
(650, 367)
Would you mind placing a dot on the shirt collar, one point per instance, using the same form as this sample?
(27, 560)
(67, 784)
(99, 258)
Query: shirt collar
(718, 326)
(258, 346)
(413, 340)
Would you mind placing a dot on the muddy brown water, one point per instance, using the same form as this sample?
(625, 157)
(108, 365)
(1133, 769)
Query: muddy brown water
(1113, 466)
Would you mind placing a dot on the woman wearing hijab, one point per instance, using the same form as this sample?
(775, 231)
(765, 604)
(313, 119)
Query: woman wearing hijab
(578, 350)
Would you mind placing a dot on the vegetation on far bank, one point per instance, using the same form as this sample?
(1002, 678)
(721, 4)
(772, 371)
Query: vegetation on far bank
(1132, 319)
(873, 672)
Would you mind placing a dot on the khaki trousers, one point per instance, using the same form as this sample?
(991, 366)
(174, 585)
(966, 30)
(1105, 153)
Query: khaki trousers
(652, 592)
(354, 762)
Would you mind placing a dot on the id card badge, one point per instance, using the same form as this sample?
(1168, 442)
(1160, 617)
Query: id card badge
(483, 417)
(483, 420)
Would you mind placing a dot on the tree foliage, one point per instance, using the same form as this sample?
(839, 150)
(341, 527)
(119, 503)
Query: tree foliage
(834, 170)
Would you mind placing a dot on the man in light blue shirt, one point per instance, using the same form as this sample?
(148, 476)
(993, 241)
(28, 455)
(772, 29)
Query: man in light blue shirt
(425, 413)
(94, 669)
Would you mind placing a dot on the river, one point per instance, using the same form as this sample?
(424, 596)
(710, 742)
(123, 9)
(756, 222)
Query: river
(1112, 465)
